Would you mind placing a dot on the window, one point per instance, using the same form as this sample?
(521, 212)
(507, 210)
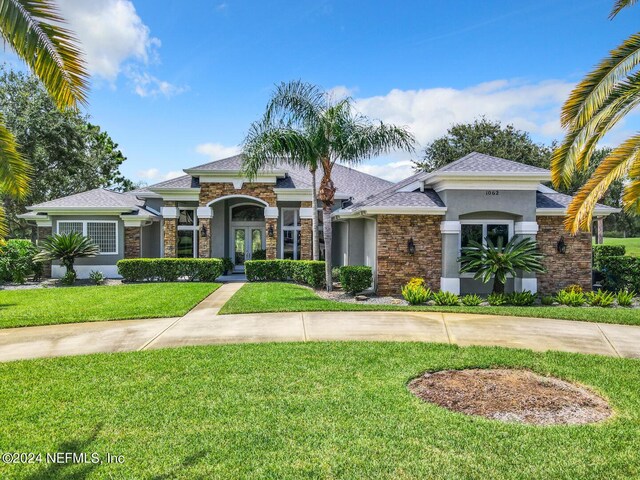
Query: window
(478, 231)
(290, 226)
(247, 213)
(103, 233)
(187, 246)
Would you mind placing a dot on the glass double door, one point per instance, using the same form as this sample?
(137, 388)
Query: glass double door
(247, 243)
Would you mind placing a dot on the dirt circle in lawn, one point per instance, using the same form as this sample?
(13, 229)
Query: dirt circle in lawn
(511, 395)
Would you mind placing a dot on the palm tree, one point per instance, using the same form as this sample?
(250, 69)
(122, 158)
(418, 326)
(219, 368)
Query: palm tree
(330, 130)
(67, 247)
(32, 28)
(268, 143)
(594, 107)
(488, 260)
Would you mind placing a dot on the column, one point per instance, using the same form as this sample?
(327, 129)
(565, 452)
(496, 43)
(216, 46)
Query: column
(44, 230)
(170, 229)
(271, 229)
(204, 214)
(132, 238)
(450, 280)
(306, 231)
(526, 280)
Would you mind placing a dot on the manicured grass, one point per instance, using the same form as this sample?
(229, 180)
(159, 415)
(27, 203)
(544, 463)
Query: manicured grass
(632, 244)
(287, 297)
(314, 410)
(46, 306)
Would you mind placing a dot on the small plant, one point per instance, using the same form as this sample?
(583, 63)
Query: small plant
(446, 299)
(335, 273)
(415, 292)
(69, 278)
(547, 300)
(521, 299)
(497, 299)
(625, 298)
(67, 247)
(600, 298)
(571, 298)
(574, 288)
(227, 265)
(471, 300)
(97, 277)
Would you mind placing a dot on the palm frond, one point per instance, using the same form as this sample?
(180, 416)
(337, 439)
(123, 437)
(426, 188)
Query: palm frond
(14, 170)
(297, 102)
(619, 5)
(589, 95)
(33, 30)
(613, 167)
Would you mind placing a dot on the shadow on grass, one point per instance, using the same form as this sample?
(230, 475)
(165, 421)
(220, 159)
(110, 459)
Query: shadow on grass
(188, 461)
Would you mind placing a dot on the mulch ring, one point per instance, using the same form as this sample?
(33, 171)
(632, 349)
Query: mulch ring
(511, 396)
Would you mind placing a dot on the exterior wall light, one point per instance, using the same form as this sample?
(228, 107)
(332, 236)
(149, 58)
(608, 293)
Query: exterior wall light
(270, 231)
(561, 246)
(203, 231)
(411, 247)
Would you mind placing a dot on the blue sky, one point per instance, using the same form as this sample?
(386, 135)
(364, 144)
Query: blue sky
(177, 83)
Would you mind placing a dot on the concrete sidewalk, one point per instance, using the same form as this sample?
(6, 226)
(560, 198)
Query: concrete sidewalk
(202, 326)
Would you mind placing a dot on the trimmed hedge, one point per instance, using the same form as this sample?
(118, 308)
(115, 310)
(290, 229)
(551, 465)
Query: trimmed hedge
(355, 278)
(620, 273)
(170, 269)
(600, 251)
(308, 272)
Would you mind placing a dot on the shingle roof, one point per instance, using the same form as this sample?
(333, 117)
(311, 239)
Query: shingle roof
(231, 163)
(96, 198)
(479, 162)
(428, 198)
(557, 200)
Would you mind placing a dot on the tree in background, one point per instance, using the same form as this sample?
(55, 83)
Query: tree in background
(69, 154)
(33, 30)
(484, 136)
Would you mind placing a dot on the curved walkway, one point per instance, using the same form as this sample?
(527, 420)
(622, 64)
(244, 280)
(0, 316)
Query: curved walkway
(202, 326)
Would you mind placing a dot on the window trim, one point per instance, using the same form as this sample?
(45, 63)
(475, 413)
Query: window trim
(84, 231)
(484, 223)
(295, 228)
(195, 228)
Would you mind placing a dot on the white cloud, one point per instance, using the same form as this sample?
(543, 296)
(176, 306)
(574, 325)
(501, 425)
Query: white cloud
(393, 171)
(155, 175)
(534, 107)
(146, 85)
(114, 38)
(216, 151)
(340, 92)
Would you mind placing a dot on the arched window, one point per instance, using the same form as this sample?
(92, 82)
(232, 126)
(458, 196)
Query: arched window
(247, 213)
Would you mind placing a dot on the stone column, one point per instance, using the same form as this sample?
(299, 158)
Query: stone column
(450, 280)
(526, 280)
(271, 231)
(170, 230)
(205, 215)
(306, 231)
(44, 230)
(132, 237)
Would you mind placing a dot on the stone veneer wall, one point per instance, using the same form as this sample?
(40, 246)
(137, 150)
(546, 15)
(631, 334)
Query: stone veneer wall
(306, 235)
(572, 267)
(204, 243)
(132, 242)
(395, 265)
(271, 242)
(42, 233)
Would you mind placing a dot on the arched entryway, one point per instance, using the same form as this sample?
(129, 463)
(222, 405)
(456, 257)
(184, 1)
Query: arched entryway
(247, 233)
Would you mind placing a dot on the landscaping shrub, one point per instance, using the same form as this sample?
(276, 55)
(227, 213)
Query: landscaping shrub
(96, 276)
(521, 299)
(547, 300)
(335, 273)
(620, 273)
(170, 269)
(355, 278)
(69, 278)
(572, 298)
(600, 251)
(227, 265)
(625, 298)
(16, 261)
(497, 299)
(259, 255)
(308, 272)
(446, 299)
(415, 292)
(471, 300)
(601, 298)
(574, 288)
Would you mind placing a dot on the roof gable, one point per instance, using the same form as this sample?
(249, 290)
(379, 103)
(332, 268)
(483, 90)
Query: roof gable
(480, 163)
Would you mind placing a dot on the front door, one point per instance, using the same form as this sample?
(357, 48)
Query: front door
(246, 241)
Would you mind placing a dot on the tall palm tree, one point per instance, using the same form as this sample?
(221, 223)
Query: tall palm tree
(32, 28)
(593, 108)
(333, 132)
(269, 143)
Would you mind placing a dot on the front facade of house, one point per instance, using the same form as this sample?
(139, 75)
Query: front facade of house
(414, 228)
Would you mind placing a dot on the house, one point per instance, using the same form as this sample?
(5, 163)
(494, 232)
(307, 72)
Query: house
(413, 228)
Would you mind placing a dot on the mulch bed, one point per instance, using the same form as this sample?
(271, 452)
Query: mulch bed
(511, 396)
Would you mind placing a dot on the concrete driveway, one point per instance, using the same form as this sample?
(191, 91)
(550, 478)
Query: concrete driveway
(202, 326)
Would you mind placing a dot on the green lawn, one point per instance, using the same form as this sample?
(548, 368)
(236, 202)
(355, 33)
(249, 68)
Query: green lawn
(45, 306)
(632, 244)
(314, 410)
(287, 297)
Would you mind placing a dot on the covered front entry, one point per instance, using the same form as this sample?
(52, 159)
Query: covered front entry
(247, 233)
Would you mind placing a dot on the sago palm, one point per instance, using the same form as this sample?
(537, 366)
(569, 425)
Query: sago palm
(32, 29)
(66, 248)
(333, 132)
(593, 108)
(487, 261)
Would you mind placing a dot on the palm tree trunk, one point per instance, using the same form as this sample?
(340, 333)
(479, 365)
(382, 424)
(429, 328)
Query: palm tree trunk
(314, 218)
(327, 231)
(498, 286)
